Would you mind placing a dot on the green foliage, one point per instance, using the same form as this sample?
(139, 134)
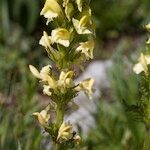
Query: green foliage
(116, 128)
(120, 16)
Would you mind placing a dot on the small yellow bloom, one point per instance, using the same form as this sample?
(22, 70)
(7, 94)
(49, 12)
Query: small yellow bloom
(81, 25)
(45, 40)
(86, 86)
(51, 10)
(144, 60)
(43, 116)
(43, 75)
(69, 9)
(65, 79)
(65, 132)
(87, 49)
(61, 36)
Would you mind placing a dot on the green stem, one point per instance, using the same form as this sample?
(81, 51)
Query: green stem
(60, 115)
(146, 145)
(59, 121)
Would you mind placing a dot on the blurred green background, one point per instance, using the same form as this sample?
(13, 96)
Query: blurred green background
(120, 34)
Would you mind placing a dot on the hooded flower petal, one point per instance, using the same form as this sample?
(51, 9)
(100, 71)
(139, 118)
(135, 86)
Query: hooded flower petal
(34, 71)
(69, 9)
(51, 10)
(87, 49)
(65, 79)
(79, 4)
(61, 36)
(45, 40)
(144, 60)
(81, 25)
(86, 86)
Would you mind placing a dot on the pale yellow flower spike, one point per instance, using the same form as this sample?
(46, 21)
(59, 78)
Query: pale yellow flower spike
(144, 60)
(61, 36)
(51, 10)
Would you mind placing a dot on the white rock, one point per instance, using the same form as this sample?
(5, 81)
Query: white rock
(83, 116)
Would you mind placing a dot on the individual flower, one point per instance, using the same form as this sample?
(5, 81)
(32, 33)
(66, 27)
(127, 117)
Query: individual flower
(43, 75)
(87, 49)
(141, 66)
(51, 10)
(65, 79)
(86, 86)
(65, 132)
(81, 25)
(61, 36)
(45, 40)
(79, 4)
(69, 9)
(43, 116)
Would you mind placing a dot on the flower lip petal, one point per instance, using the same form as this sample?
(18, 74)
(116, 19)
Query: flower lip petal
(34, 71)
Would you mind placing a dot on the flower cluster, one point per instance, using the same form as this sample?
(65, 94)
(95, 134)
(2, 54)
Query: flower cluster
(70, 44)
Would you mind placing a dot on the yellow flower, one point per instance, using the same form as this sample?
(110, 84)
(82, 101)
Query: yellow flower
(69, 9)
(79, 4)
(86, 86)
(61, 36)
(65, 79)
(87, 49)
(45, 40)
(65, 132)
(144, 60)
(51, 10)
(43, 75)
(44, 116)
(81, 25)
